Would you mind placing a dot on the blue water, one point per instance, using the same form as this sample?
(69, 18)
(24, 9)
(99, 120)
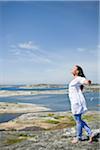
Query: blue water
(7, 117)
(17, 88)
(56, 102)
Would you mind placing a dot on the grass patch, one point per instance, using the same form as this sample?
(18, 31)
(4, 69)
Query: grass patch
(62, 121)
(59, 117)
(14, 141)
(25, 135)
(70, 121)
(90, 117)
(52, 121)
(70, 118)
(50, 115)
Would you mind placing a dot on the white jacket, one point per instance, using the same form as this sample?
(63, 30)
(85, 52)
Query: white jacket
(78, 103)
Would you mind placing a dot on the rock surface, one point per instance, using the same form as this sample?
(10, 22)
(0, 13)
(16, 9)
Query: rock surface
(44, 140)
(56, 137)
(6, 107)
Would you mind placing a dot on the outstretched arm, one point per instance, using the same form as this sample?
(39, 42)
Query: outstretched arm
(88, 82)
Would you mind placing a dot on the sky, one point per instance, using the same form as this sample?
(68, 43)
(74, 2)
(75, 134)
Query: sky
(41, 41)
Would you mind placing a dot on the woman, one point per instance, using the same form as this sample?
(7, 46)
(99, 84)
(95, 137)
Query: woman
(78, 104)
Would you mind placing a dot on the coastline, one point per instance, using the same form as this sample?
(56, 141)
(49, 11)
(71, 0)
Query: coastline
(6, 107)
(21, 107)
(5, 93)
(39, 119)
(55, 90)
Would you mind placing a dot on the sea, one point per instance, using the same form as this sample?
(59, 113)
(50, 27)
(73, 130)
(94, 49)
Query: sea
(56, 102)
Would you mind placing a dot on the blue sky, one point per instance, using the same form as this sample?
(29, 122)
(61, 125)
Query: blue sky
(41, 41)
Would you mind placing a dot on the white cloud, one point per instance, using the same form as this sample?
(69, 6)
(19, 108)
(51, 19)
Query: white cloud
(30, 52)
(28, 45)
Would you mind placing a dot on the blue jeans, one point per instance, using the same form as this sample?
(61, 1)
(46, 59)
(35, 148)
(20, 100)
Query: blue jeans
(80, 124)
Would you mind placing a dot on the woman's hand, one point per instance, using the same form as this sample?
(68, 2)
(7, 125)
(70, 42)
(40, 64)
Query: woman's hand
(88, 82)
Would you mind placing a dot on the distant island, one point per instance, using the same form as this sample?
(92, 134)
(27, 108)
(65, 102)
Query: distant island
(35, 89)
(43, 85)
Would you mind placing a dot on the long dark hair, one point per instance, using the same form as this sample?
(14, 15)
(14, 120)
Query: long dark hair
(80, 73)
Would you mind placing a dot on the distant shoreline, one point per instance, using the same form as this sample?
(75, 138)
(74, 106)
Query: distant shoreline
(43, 89)
(6, 107)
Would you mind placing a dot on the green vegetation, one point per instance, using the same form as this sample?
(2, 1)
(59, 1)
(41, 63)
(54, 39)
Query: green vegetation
(70, 118)
(61, 121)
(50, 115)
(18, 138)
(52, 121)
(91, 117)
(14, 140)
(59, 117)
(25, 135)
(69, 121)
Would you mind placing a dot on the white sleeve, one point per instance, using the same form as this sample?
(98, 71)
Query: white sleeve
(82, 79)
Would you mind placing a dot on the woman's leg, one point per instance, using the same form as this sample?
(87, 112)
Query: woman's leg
(86, 127)
(78, 126)
(88, 130)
